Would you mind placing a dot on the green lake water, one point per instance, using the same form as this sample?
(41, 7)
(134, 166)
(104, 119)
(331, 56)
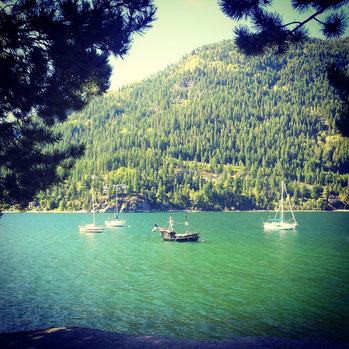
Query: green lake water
(238, 280)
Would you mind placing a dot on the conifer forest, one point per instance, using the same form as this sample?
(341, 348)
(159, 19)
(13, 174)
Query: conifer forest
(216, 131)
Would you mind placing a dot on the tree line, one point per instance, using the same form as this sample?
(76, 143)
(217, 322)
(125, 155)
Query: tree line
(216, 131)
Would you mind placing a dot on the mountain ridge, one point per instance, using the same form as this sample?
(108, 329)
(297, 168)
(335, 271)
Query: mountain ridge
(217, 130)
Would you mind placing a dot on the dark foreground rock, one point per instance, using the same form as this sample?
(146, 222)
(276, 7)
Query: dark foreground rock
(76, 337)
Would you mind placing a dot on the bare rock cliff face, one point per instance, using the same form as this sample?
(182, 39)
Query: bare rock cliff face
(135, 203)
(131, 203)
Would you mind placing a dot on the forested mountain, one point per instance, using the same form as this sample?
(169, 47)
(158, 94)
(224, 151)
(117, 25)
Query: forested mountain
(218, 130)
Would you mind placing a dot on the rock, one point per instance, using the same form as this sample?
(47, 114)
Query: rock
(135, 203)
(129, 203)
(88, 338)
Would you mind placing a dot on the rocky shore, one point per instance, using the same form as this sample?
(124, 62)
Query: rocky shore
(129, 203)
(78, 338)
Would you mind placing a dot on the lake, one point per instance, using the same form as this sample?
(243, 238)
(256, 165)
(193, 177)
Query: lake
(238, 280)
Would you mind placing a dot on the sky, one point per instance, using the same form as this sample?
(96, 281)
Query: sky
(181, 26)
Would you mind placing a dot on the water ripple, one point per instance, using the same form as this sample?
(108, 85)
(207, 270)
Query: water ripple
(241, 281)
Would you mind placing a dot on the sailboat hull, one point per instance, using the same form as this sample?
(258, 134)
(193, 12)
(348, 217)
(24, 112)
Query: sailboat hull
(115, 223)
(91, 228)
(279, 226)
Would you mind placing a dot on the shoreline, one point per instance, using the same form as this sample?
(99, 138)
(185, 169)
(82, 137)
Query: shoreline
(88, 338)
(170, 211)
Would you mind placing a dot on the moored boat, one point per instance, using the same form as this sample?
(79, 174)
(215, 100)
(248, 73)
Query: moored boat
(115, 222)
(92, 227)
(279, 222)
(168, 233)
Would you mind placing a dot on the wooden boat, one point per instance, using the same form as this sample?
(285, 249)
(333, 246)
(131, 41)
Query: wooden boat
(168, 233)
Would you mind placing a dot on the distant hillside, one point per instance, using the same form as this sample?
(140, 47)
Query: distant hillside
(218, 130)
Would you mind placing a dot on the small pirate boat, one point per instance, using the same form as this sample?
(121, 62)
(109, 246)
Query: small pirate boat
(168, 233)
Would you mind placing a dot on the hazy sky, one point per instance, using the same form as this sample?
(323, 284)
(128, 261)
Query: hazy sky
(181, 26)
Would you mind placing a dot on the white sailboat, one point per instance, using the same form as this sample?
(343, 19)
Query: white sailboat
(279, 222)
(116, 222)
(91, 228)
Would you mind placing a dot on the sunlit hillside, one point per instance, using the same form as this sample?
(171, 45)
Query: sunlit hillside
(218, 130)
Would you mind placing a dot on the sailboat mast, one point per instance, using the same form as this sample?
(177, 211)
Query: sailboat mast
(93, 200)
(282, 201)
(289, 202)
(170, 225)
(93, 208)
(116, 202)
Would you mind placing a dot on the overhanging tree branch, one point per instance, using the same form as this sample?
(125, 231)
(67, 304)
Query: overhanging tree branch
(269, 31)
(54, 60)
(271, 34)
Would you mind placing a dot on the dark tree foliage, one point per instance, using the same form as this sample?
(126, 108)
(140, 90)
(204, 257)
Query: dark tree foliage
(268, 30)
(340, 81)
(53, 60)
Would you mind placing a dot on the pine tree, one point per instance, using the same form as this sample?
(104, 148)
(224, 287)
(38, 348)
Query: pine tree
(53, 60)
(269, 30)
